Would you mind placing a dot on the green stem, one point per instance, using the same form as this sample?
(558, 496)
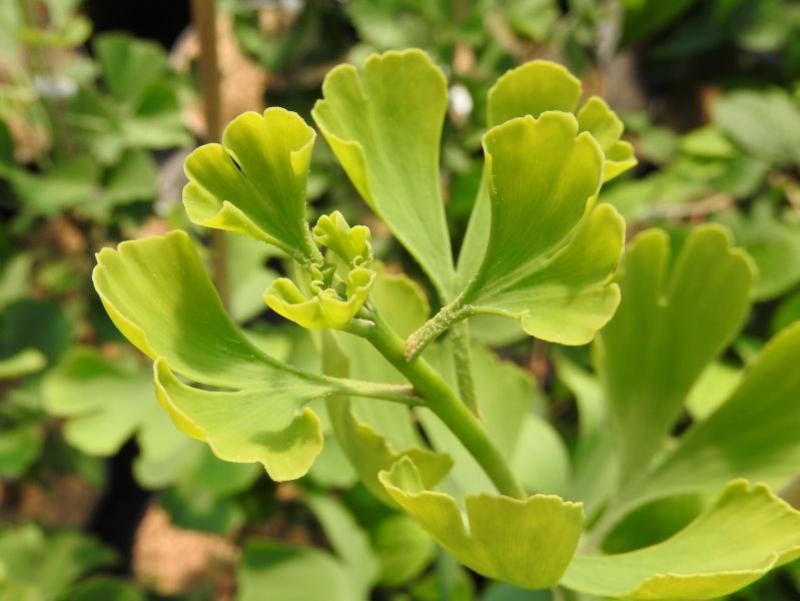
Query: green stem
(441, 399)
(395, 393)
(462, 358)
(437, 325)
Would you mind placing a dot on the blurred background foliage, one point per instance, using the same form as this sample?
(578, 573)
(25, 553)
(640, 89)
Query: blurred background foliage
(100, 497)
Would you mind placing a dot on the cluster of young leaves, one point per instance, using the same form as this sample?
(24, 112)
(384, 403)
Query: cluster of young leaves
(540, 249)
(103, 135)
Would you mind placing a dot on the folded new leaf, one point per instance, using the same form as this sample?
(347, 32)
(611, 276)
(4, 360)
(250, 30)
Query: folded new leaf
(526, 543)
(691, 306)
(254, 183)
(742, 536)
(325, 309)
(551, 253)
(384, 125)
(350, 244)
(159, 296)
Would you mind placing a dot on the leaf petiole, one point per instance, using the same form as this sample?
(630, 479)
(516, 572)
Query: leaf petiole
(441, 399)
(451, 313)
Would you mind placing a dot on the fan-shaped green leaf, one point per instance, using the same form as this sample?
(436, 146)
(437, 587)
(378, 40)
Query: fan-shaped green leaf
(105, 403)
(532, 89)
(403, 547)
(159, 296)
(676, 315)
(157, 292)
(746, 532)
(129, 65)
(526, 543)
(550, 254)
(753, 434)
(766, 124)
(774, 245)
(384, 126)
(254, 182)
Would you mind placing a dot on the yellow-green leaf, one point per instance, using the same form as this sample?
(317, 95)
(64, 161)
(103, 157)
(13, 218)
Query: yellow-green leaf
(532, 89)
(254, 183)
(159, 295)
(744, 534)
(266, 424)
(526, 543)
(675, 317)
(384, 126)
(753, 433)
(550, 255)
(324, 310)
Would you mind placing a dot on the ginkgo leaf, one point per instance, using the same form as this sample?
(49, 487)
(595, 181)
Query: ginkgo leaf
(688, 307)
(753, 434)
(129, 65)
(104, 403)
(403, 547)
(266, 424)
(539, 86)
(384, 126)
(551, 254)
(158, 294)
(742, 536)
(526, 543)
(773, 244)
(599, 120)
(254, 183)
(764, 123)
(532, 89)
